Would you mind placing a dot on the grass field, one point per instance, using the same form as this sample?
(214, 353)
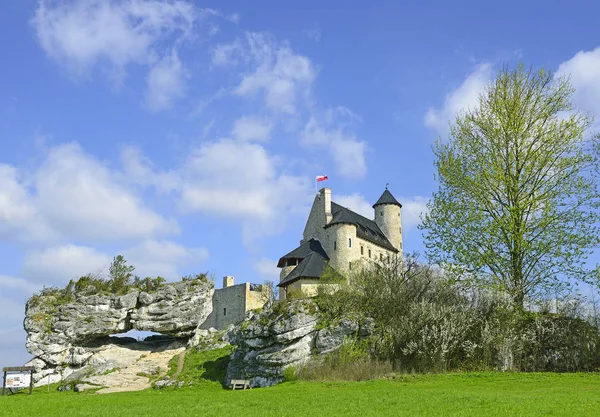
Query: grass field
(469, 394)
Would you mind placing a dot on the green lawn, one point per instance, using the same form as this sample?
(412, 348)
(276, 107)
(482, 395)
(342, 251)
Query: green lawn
(477, 394)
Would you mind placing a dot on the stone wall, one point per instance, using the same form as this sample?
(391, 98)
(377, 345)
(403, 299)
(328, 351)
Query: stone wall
(230, 305)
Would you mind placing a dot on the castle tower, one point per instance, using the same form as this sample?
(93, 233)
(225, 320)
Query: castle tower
(343, 246)
(389, 219)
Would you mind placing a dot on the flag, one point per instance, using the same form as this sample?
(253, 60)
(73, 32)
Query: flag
(322, 178)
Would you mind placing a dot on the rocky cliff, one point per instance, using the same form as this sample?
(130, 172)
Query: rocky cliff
(288, 334)
(64, 335)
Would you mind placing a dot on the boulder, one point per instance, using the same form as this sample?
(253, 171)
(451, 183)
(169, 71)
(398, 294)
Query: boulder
(285, 335)
(69, 333)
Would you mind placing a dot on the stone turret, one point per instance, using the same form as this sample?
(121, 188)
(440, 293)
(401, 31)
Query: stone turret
(389, 219)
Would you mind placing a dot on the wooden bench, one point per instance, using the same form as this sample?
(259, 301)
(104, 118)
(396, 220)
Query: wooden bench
(240, 384)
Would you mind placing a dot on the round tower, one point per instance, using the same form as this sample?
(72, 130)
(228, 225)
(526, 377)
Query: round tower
(389, 219)
(343, 246)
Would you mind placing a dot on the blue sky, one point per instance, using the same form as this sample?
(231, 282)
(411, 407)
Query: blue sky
(187, 135)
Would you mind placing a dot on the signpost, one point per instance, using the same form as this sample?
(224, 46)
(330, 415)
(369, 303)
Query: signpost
(17, 377)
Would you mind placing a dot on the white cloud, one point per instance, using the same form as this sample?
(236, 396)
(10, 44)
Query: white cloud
(412, 208)
(227, 54)
(356, 202)
(267, 269)
(18, 216)
(252, 128)
(58, 264)
(314, 34)
(163, 257)
(16, 284)
(278, 74)
(138, 169)
(81, 198)
(165, 83)
(72, 195)
(584, 72)
(82, 33)
(242, 182)
(346, 150)
(464, 97)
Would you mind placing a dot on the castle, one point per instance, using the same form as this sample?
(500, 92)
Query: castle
(338, 236)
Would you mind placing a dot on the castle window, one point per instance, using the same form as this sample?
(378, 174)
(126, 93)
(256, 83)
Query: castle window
(224, 311)
(362, 250)
(349, 242)
(369, 253)
(381, 256)
(400, 229)
(400, 245)
(334, 244)
(381, 214)
(349, 265)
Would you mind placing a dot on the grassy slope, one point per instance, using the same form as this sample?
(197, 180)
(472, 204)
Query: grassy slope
(490, 394)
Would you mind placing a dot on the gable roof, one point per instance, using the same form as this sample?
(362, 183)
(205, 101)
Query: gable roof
(311, 267)
(365, 228)
(387, 198)
(303, 251)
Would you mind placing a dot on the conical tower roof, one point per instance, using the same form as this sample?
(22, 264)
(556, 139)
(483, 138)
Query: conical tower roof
(387, 198)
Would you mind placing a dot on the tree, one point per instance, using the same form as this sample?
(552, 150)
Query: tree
(517, 204)
(120, 274)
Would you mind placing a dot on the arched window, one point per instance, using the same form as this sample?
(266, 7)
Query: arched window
(362, 250)
(349, 242)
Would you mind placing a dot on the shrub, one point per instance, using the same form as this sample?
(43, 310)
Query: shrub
(427, 323)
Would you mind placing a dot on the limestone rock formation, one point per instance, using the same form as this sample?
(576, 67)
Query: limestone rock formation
(63, 335)
(283, 336)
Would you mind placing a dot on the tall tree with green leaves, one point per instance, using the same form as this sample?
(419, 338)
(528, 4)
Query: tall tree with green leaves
(517, 204)
(120, 274)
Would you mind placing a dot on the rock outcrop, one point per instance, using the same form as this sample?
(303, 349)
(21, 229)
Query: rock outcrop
(286, 335)
(63, 335)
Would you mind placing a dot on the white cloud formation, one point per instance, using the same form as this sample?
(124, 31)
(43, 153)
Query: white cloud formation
(58, 264)
(346, 150)
(464, 97)
(18, 216)
(277, 74)
(238, 180)
(138, 169)
(8, 283)
(72, 195)
(252, 129)
(314, 34)
(412, 208)
(357, 203)
(82, 33)
(267, 269)
(226, 54)
(164, 258)
(81, 198)
(85, 35)
(165, 83)
(584, 72)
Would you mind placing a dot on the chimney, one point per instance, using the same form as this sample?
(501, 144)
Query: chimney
(326, 195)
(227, 281)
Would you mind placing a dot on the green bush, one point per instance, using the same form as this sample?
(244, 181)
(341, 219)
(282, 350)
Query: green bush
(427, 323)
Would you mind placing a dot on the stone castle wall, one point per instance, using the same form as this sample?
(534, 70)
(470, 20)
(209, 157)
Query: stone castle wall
(230, 304)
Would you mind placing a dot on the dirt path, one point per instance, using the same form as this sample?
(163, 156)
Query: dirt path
(180, 362)
(133, 377)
